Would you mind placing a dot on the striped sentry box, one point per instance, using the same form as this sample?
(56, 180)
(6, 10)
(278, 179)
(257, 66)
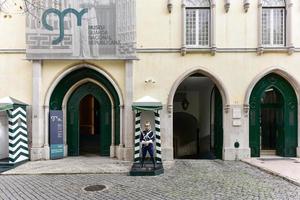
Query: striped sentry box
(137, 136)
(158, 138)
(18, 135)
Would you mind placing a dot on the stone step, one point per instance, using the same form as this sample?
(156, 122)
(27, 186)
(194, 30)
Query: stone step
(268, 152)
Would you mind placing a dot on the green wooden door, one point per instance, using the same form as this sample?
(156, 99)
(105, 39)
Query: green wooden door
(280, 130)
(272, 121)
(218, 125)
(73, 118)
(286, 143)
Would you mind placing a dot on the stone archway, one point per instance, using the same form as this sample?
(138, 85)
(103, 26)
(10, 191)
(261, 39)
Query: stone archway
(85, 74)
(221, 97)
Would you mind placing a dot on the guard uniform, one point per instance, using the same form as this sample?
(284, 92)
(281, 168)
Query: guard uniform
(147, 136)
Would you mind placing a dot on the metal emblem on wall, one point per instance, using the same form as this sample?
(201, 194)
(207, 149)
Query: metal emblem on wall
(81, 29)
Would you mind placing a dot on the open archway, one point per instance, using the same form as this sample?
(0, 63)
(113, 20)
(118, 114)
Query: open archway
(273, 117)
(81, 131)
(197, 119)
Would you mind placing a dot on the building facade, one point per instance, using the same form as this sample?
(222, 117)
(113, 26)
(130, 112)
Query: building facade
(225, 71)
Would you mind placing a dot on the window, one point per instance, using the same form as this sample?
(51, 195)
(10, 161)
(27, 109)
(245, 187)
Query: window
(197, 22)
(273, 23)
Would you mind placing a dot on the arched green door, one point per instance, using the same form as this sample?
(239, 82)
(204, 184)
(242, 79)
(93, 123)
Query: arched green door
(57, 97)
(286, 139)
(73, 118)
(218, 124)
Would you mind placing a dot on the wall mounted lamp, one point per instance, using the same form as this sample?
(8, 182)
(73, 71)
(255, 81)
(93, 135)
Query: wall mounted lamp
(170, 6)
(227, 5)
(246, 5)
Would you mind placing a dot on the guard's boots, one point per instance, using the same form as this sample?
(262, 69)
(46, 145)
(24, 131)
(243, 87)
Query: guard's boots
(153, 161)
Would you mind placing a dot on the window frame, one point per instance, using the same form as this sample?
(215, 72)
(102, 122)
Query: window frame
(197, 31)
(272, 45)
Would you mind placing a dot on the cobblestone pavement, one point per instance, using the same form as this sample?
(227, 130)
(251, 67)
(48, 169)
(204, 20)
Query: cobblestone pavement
(203, 179)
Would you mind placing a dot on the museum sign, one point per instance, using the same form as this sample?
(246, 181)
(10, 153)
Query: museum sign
(81, 29)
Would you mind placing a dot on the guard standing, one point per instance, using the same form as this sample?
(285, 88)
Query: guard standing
(147, 139)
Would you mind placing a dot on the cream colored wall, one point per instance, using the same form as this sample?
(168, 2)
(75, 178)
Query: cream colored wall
(236, 29)
(16, 77)
(12, 32)
(52, 69)
(156, 28)
(15, 71)
(235, 71)
(296, 23)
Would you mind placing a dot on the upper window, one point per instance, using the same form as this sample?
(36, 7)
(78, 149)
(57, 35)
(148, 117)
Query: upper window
(197, 23)
(273, 23)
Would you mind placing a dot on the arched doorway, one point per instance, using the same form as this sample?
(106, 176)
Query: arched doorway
(83, 83)
(197, 119)
(81, 127)
(89, 125)
(273, 120)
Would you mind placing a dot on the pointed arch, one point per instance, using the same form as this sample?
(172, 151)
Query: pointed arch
(203, 71)
(59, 91)
(276, 70)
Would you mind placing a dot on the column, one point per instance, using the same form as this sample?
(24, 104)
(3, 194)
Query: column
(289, 27)
(260, 48)
(183, 46)
(213, 27)
(37, 151)
(128, 132)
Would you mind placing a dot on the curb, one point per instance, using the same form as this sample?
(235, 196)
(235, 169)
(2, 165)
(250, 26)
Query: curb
(272, 173)
(64, 173)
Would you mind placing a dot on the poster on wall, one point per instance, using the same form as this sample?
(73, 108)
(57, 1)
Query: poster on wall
(56, 134)
(81, 29)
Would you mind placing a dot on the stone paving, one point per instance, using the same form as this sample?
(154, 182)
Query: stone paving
(72, 165)
(288, 168)
(188, 179)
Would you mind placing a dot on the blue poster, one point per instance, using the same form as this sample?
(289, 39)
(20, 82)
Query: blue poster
(56, 134)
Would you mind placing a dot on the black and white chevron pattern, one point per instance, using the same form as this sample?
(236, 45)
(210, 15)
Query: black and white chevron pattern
(137, 136)
(157, 137)
(18, 137)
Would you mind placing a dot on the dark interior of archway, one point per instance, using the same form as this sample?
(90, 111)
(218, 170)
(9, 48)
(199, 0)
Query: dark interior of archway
(271, 118)
(89, 129)
(193, 136)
